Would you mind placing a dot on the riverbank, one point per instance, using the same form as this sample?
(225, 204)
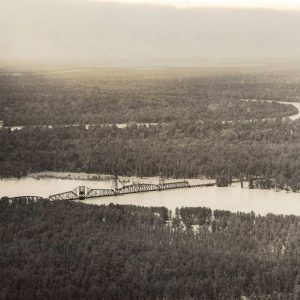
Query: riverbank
(70, 176)
(107, 177)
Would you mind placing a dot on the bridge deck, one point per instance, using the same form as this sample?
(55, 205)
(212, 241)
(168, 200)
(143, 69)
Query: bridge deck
(83, 192)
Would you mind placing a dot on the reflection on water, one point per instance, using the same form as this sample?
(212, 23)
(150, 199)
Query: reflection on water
(229, 198)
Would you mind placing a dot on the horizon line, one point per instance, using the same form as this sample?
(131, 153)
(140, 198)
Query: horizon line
(221, 4)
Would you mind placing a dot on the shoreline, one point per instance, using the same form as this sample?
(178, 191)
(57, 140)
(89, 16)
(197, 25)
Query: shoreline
(82, 176)
(69, 175)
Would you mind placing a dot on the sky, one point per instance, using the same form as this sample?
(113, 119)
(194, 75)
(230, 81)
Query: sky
(271, 4)
(177, 33)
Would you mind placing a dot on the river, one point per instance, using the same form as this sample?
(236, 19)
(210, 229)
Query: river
(228, 198)
(296, 104)
(144, 124)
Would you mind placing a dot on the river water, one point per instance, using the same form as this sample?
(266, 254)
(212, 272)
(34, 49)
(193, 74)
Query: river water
(227, 198)
(296, 104)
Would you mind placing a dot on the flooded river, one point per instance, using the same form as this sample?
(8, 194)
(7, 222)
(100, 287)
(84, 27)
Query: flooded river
(228, 198)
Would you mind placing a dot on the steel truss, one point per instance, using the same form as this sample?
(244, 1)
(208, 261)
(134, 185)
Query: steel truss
(137, 188)
(100, 193)
(83, 192)
(174, 185)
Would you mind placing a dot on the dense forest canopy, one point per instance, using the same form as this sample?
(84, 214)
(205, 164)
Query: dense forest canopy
(65, 250)
(128, 95)
(179, 149)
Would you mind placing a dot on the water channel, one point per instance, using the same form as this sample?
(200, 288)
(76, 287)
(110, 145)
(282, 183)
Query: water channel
(226, 198)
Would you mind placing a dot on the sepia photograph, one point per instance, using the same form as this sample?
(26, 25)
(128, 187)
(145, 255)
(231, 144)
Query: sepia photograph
(149, 149)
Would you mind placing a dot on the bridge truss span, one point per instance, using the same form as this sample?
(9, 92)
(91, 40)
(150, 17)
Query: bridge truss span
(93, 193)
(137, 188)
(174, 185)
(77, 193)
(83, 192)
(64, 196)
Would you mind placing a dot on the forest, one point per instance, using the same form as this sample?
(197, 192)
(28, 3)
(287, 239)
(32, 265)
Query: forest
(69, 250)
(112, 96)
(189, 106)
(179, 150)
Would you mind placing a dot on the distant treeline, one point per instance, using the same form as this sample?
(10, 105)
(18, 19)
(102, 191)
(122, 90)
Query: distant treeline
(122, 96)
(181, 149)
(65, 250)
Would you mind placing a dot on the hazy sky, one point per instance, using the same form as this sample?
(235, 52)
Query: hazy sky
(273, 4)
(119, 34)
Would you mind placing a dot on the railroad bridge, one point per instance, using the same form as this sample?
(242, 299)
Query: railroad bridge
(83, 192)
